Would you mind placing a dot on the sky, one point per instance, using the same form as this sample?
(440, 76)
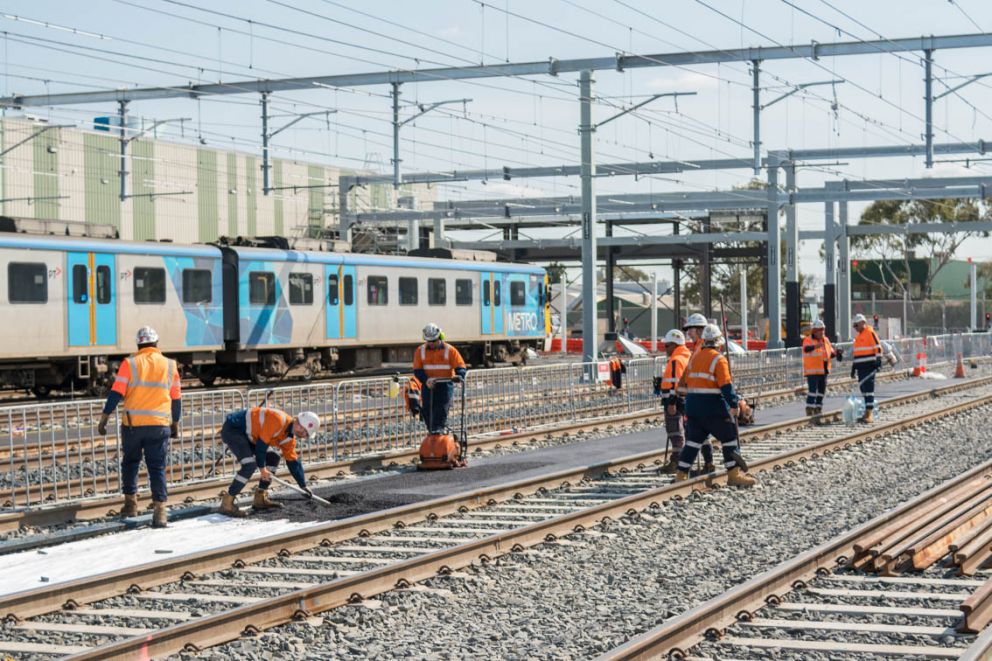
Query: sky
(58, 46)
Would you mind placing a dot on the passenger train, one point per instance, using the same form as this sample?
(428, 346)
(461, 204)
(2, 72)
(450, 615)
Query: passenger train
(72, 307)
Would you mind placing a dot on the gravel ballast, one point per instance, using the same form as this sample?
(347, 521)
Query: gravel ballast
(581, 597)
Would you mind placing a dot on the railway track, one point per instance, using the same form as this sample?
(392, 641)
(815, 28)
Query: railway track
(905, 584)
(199, 489)
(319, 568)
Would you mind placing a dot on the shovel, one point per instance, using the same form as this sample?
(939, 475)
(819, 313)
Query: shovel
(301, 491)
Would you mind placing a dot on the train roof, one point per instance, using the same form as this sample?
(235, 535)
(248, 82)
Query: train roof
(116, 246)
(358, 259)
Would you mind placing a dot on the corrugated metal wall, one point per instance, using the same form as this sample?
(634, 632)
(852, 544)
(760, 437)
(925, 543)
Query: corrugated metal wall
(183, 193)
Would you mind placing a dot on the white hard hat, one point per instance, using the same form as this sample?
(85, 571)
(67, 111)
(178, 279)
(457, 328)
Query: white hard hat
(859, 319)
(674, 336)
(309, 421)
(711, 333)
(432, 332)
(695, 321)
(146, 335)
(818, 324)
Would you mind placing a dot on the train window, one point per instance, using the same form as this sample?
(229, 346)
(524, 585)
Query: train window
(27, 282)
(300, 289)
(463, 292)
(262, 288)
(518, 294)
(349, 290)
(486, 297)
(332, 289)
(408, 291)
(535, 287)
(149, 285)
(103, 285)
(80, 284)
(378, 291)
(437, 291)
(497, 301)
(197, 286)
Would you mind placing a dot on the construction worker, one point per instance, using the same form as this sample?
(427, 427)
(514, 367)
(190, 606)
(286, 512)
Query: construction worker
(148, 384)
(678, 358)
(253, 435)
(866, 362)
(434, 360)
(693, 328)
(711, 408)
(817, 353)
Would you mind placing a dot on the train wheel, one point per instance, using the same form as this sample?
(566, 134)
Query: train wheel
(207, 376)
(257, 376)
(42, 392)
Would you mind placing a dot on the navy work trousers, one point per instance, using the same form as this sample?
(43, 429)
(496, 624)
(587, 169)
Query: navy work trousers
(816, 387)
(153, 443)
(236, 439)
(434, 407)
(866, 377)
(696, 431)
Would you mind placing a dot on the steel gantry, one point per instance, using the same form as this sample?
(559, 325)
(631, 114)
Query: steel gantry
(771, 199)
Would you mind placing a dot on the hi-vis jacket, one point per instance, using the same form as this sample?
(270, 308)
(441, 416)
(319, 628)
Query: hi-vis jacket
(867, 346)
(441, 363)
(816, 356)
(709, 389)
(148, 382)
(272, 427)
(674, 369)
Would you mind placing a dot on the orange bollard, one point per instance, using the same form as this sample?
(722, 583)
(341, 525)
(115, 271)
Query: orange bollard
(959, 370)
(921, 363)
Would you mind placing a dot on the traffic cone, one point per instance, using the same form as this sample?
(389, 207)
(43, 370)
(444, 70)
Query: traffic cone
(921, 363)
(959, 370)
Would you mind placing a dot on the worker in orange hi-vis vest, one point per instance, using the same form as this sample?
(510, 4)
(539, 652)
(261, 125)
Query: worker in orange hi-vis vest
(866, 362)
(817, 353)
(436, 364)
(693, 329)
(678, 358)
(148, 385)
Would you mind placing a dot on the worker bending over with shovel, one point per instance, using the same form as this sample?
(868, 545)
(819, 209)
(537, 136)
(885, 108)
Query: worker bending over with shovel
(253, 436)
(711, 408)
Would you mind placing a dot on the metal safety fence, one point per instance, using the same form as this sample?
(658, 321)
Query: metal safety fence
(52, 453)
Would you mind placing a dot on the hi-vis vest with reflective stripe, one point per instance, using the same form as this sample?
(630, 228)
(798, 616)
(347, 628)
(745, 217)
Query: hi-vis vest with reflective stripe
(674, 368)
(817, 361)
(438, 363)
(273, 427)
(867, 346)
(149, 382)
(706, 372)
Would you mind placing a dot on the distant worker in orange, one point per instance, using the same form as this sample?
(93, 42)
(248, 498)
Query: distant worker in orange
(817, 353)
(436, 364)
(255, 436)
(711, 408)
(678, 358)
(867, 360)
(148, 385)
(693, 328)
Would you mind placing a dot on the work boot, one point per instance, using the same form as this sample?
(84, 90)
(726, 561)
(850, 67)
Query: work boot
(709, 468)
(738, 478)
(672, 465)
(160, 516)
(228, 508)
(868, 417)
(681, 476)
(810, 410)
(130, 508)
(262, 501)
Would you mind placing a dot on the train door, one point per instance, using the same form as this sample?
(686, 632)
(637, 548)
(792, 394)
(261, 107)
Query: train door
(492, 304)
(92, 299)
(340, 315)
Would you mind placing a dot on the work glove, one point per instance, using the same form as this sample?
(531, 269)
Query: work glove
(174, 430)
(878, 363)
(308, 493)
(809, 348)
(840, 354)
(852, 370)
(102, 427)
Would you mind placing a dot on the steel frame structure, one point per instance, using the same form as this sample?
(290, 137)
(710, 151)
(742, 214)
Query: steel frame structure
(773, 198)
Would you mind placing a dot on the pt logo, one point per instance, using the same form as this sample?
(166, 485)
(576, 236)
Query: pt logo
(125, 275)
(54, 273)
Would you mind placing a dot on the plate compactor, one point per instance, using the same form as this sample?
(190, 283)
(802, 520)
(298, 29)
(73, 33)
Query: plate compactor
(446, 450)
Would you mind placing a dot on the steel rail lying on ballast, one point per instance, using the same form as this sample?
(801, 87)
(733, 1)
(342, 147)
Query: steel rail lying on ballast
(315, 598)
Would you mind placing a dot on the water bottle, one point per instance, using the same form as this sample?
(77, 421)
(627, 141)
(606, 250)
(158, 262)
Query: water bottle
(850, 411)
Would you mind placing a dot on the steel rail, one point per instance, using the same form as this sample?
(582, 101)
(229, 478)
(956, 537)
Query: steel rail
(95, 508)
(302, 603)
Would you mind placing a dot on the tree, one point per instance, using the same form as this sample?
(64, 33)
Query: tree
(631, 274)
(556, 272)
(894, 251)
